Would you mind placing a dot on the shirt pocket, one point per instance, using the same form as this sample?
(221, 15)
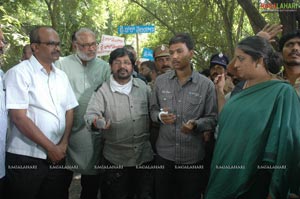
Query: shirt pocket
(194, 105)
(166, 100)
(121, 110)
(140, 107)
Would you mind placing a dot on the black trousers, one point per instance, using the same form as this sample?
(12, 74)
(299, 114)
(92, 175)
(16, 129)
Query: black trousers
(127, 183)
(178, 181)
(2, 188)
(90, 185)
(34, 178)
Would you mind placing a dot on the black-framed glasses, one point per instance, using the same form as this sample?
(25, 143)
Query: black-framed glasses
(87, 45)
(49, 43)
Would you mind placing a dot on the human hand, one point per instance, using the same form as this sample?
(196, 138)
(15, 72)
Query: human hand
(101, 123)
(166, 117)
(188, 127)
(270, 31)
(63, 146)
(207, 136)
(56, 153)
(294, 196)
(220, 82)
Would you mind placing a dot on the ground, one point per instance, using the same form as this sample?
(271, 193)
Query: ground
(75, 188)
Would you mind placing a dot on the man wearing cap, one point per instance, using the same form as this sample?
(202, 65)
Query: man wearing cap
(162, 59)
(162, 62)
(218, 65)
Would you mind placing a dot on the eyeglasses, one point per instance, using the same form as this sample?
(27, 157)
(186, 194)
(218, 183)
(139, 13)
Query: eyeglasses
(119, 63)
(87, 45)
(50, 43)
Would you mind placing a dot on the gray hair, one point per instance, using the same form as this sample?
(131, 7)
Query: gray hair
(83, 30)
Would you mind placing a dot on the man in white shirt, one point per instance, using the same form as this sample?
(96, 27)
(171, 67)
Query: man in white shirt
(3, 123)
(40, 101)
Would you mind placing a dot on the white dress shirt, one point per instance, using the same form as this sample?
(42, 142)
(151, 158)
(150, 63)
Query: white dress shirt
(3, 127)
(46, 97)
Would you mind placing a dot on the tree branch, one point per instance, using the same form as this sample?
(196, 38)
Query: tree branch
(154, 15)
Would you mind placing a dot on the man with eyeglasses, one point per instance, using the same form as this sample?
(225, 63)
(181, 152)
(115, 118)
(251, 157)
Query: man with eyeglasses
(162, 59)
(119, 110)
(3, 122)
(40, 101)
(86, 72)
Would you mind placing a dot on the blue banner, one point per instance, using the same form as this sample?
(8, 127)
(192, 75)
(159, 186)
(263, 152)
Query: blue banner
(135, 29)
(148, 54)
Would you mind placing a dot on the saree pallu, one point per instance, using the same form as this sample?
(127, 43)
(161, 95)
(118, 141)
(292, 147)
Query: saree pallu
(259, 131)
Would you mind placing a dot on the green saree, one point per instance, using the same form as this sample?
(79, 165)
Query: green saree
(259, 132)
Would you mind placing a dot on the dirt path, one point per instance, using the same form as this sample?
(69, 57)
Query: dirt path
(75, 188)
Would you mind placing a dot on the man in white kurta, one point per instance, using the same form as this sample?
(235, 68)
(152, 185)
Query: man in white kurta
(85, 72)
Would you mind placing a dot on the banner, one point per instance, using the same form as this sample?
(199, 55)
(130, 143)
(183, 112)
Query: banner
(136, 29)
(148, 54)
(109, 43)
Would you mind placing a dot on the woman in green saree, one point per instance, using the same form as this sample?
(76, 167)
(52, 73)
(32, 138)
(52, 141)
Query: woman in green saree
(257, 153)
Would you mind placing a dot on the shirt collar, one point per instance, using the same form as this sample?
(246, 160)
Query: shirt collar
(38, 67)
(193, 78)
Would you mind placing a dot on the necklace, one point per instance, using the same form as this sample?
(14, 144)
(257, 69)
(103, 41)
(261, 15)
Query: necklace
(247, 85)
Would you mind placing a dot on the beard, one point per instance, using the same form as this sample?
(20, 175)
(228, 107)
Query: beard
(292, 63)
(83, 56)
(123, 74)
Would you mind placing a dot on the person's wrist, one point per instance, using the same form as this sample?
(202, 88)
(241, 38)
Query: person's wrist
(220, 90)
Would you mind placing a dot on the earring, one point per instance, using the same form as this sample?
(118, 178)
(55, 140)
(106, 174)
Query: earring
(258, 65)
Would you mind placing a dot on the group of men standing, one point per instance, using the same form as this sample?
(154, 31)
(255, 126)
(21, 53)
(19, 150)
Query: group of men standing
(76, 113)
(79, 113)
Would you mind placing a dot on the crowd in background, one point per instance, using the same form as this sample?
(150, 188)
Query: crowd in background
(151, 130)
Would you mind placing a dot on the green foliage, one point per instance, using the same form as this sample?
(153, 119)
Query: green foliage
(215, 25)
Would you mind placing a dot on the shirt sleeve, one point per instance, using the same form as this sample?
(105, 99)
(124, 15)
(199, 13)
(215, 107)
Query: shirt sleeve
(154, 104)
(17, 89)
(107, 71)
(208, 122)
(72, 101)
(95, 108)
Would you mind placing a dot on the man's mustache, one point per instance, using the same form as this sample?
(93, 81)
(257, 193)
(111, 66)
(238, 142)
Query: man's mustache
(294, 53)
(122, 70)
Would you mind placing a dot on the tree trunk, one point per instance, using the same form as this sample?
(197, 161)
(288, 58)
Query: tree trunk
(288, 19)
(257, 21)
